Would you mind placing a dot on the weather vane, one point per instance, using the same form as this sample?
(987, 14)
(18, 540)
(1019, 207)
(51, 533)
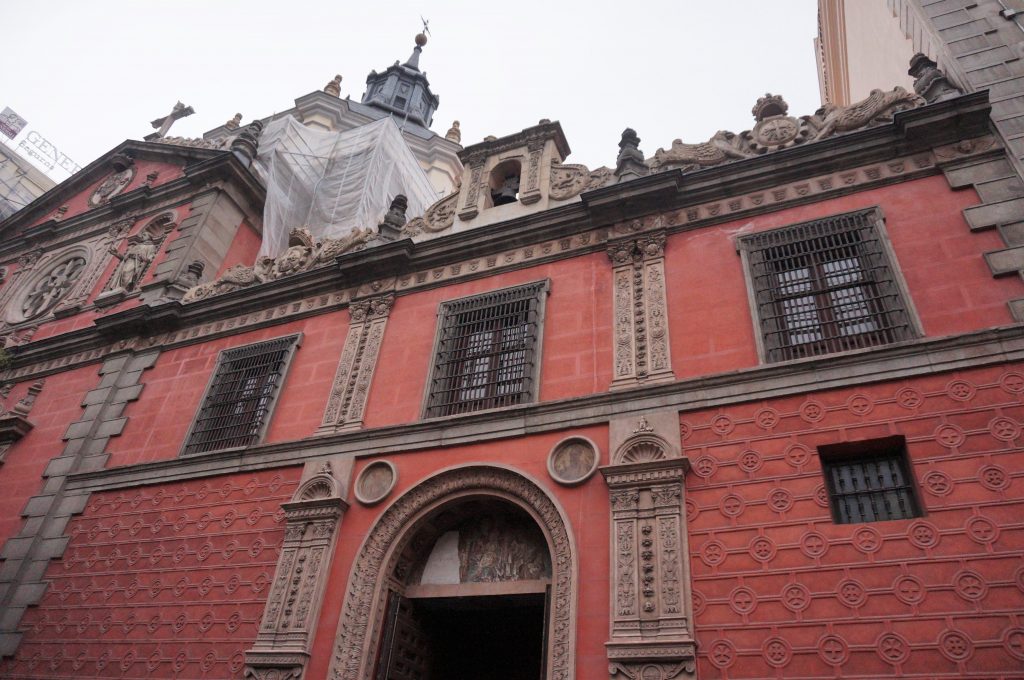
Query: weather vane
(426, 22)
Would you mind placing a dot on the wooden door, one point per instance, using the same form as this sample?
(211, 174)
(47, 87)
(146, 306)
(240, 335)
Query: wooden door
(404, 647)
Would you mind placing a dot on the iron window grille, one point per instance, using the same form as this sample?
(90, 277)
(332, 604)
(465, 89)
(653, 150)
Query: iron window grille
(869, 481)
(239, 398)
(825, 286)
(486, 352)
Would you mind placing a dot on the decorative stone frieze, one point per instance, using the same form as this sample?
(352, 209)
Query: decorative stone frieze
(639, 307)
(355, 369)
(312, 518)
(652, 626)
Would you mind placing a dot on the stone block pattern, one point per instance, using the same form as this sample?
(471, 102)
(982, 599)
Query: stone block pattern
(779, 590)
(164, 581)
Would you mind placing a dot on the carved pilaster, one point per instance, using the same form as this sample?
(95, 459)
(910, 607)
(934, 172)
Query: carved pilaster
(530, 192)
(289, 616)
(641, 351)
(351, 386)
(651, 617)
(470, 207)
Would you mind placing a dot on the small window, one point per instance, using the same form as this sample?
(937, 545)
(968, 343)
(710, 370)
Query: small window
(239, 399)
(869, 481)
(825, 286)
(486, 351)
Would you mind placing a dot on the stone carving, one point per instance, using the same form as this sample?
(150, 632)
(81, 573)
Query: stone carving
(333, 88)
(375, 482)
(312, 516)
(496, 548)
(630, 161)
(929, 81)
(14, 424)
(141, 250)
(775, 130)
(362, 614)
(878, 107)
(653, 671)
(49, 289)
(124, 172)
(572, 461)
(438, 217)
(19, 337)
(572, 179)
(195, 142)
(303, 253)
(639, 306)
(355, 368)
(454, 134)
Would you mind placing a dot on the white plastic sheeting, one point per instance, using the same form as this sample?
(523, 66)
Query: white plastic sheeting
(334, 182)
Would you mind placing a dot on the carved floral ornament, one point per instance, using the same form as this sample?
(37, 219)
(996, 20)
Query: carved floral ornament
(775, 130)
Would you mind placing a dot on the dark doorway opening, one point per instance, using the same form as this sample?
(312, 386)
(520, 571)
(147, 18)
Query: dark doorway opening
(491, 637)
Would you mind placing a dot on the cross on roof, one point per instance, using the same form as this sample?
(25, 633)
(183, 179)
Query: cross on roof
(426, 22)
(163, 125)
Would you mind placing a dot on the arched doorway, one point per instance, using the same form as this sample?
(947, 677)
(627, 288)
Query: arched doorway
(448, 569)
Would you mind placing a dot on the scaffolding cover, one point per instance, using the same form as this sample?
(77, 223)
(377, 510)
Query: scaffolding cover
(334, 182)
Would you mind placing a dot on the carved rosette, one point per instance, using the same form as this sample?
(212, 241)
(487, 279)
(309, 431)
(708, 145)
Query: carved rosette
(652, 632)
(312, 517)
(351, 386)
(640, 311)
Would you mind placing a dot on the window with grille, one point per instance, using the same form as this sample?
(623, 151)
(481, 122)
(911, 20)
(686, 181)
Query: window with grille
(869, 481)
(238, 401)
(825, 286)
(486, 351)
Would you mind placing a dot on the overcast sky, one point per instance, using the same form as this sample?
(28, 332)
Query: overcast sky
(88, 75)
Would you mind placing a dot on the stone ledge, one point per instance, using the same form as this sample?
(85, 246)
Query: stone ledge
(989, 215)
(906, 360)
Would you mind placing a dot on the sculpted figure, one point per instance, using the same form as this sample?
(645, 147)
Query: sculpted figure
(882, 105)
(133, 262)
(723, 146)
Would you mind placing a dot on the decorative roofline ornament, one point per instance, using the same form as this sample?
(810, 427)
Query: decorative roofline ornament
(775, 130)
(333, 88)
(303, 254)
(930, 81)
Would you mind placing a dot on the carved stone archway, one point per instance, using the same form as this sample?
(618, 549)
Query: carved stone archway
(363, 611)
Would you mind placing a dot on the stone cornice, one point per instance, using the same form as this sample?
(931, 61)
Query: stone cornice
(895, 362)
(671, 201)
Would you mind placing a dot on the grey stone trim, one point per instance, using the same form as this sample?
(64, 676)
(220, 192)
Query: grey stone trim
(980, 164)
(46, 515)
(906, 360)
(978, 50)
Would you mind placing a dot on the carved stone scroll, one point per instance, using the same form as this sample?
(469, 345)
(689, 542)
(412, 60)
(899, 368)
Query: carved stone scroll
(351, 386)
(640, 311)
(289, 617)
(652, 628)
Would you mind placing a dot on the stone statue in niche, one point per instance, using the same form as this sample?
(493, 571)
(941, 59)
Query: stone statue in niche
(497, 547)
(134, 261)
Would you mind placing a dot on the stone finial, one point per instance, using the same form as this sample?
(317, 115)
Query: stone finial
(191, 277)
(630, 161)
(333, 88)
(490, 138)
(394, 220)
(768, 106)
(234, 123)
(454, 134)
(245, 144)
(929, 81)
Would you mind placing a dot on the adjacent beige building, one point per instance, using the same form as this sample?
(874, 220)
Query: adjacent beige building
(20, 182)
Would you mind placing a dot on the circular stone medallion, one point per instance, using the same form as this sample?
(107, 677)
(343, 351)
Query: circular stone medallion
(573, 461)
(375, 482)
